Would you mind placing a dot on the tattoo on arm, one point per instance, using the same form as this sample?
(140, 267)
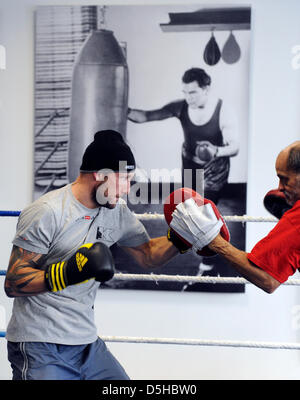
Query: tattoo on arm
(25, 275)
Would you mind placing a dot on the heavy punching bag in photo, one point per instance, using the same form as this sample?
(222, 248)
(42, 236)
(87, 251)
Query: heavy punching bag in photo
(99, 94)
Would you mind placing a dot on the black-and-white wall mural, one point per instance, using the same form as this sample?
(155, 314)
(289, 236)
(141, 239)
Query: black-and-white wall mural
(174, 81)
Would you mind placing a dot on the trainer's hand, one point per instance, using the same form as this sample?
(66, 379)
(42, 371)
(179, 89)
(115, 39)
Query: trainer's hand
(89, 261)
(275, 203)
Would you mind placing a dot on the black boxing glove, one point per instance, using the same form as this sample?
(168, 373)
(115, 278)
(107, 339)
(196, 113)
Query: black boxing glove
(92, 260)
(275, 203)
(180, 245)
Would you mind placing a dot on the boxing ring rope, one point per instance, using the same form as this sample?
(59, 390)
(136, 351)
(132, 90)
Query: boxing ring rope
(152, 216)
(202, 342)
(9, 213)
(228, 218)
(184, 278)
(198, 342)
(192, 279)
(180, 278)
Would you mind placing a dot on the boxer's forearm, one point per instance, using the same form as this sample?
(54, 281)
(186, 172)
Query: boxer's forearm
(162, 251)
(240, 262)
(230, 150)
(155, 253)
(23, 276)
(141, 116)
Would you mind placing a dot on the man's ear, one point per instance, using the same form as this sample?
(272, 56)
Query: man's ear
(97, 176)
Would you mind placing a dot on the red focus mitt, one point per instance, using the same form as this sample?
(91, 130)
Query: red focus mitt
(180, 196)
(275, 203)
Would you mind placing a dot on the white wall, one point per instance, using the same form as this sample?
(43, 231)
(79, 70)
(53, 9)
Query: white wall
(274, 122)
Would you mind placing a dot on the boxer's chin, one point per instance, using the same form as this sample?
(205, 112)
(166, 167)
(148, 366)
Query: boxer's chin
(103, 199)
(109, 205)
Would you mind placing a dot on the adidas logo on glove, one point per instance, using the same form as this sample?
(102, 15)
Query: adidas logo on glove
(81, 260)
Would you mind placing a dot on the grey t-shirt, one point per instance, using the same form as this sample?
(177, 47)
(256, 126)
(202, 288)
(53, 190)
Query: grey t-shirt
(57, 225)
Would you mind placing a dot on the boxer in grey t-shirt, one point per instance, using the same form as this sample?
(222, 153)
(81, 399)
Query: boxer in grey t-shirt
(51, 333)
(62, 321)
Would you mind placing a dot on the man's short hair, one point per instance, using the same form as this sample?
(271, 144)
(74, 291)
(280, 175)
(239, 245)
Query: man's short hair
(198, 75)
(293, 161)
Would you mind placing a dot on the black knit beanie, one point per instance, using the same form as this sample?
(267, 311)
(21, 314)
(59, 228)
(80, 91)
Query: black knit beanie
(108, 151)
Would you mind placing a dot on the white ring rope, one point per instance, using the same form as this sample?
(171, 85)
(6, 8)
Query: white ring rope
(186, 278)
(198, 342)
(147, 216)
(229, 218)
(201, 342)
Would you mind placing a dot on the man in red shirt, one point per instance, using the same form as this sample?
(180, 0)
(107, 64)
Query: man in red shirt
(277, 256)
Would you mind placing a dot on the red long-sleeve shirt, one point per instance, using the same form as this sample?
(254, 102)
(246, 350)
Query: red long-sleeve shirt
(279, 252)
